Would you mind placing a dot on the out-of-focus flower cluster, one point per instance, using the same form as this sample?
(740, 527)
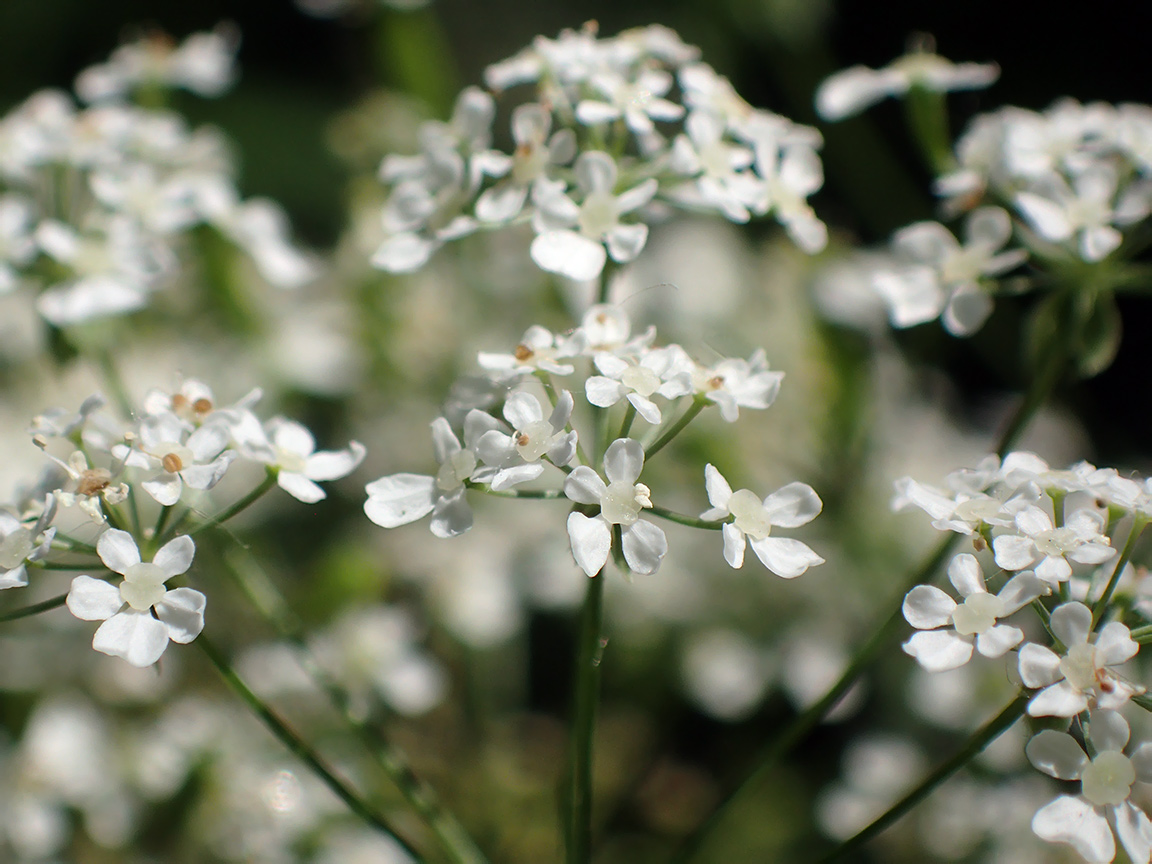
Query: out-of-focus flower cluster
(617, 131)
(99, 204)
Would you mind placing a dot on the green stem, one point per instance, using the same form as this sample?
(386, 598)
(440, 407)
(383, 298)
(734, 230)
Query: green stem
(271, 604)
(245, 502)
(1141, 634)
(698, 405)
(629, 417)
(517, 493)
(980, 739)
(1138, 525)
(803, 723)
(34, 609)
(300, 747)
(586, 690)
(681, 519)
(116, 384)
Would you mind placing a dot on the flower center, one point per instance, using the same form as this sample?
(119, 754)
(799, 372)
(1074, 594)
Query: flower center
(598, 215)
(622, 502)
(173, 457)
(751, 517)
(456, 469)
(288, 461)
(640, 379)
(1079, 666)
(1108, 780)
(533, 440)
(977, 613)
(143, 586)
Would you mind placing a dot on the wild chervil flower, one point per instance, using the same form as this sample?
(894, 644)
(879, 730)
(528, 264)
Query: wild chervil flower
(140, 615)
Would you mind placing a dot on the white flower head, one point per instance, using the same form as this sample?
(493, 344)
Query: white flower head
(1084, 677)
(1086, 821)
(753, 520)
(621, 501)
(515, 458)
(140, 615)
(1037, 544)
(950, 630)
(290, 448)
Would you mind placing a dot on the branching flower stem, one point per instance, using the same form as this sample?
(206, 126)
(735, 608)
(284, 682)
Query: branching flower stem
(34, 609)
(301, 748)
(245, 502)
(1134, 533)
(254, 583)
(586, 693)
(698, 405)
(980, 739)
(690, 521)
(803, 723)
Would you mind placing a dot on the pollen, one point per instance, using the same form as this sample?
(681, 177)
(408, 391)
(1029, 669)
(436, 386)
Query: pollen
(522, 353)
(93, 481)
(172, 463)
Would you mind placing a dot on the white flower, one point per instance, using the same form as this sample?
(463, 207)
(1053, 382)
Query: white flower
(1084, 676)
(20, 544)
(620, 501)
(790, 171)
(1106, 780)
(852, 90)
(516, 458)
(734, 383)
(944, 276)
(402, 498)
(141, 615)
(538, 349)
(653, 374)
(718, 168)
(290, 448)
(788, 507)
(580, 254)
(1044, 548)
(972, 623)
(178, 455)
(535, 152)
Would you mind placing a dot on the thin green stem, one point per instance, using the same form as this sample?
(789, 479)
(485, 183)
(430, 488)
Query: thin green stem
(805, 722)
(681, 519)
(134, 511)
(57, 565)
(698, 405)
(73, 544)
(245, 502)
(980, 739)
(301, 748)
(34, 609)
(629, 418)
(517, 493)
(273, 607)
(116, 384)
(586, 691)
(162, 522)
(1138, 525)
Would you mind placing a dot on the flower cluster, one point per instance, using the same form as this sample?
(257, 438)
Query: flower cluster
(656, 384)
(1050, 534)
(96, 203)
(617, 128)
(179, 446)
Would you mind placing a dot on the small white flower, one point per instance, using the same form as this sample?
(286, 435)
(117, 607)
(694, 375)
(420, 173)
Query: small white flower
(20, 544)
(949, 631)
(734, 383)
(788, 507)
(515, 458)
(290, 448)
(1083, 678)
(620, 501)
(651, 375)
(1106, 780)
(140, 616)
(1046, 549)
(178, 455)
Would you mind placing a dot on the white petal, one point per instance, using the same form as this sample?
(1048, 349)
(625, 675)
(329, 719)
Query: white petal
(965, 575)
(939, 650)
(852, 90)
(1071, 623)
(451, 516)
(95, 297)
(1134, 830)
(926, 606)
(522, 409)
(734, 544)
(1048, 218)
(136, 636)
(1057, 754)
(1013, 552)
(175, 556)
(403, 253)
(603, 392)
(1142, 761)
(93, 599)
(182, 611)
(785, 557)
(1058, 700)
(793, 505)
(569, 254)
(1115, 645)
(334, 464)
(1038, 666)
(444, 440)
(117, 550)
(591, 541)
(967, 310)
(1108, 730)
(584, 486)
(399, 499)
(623, 461)
(164, 488)
(1075, 822)
(999, 640)
(646, 408)
(1021, 590)
(717, 488)
(300, 487)
(644, 546)
(625, 242)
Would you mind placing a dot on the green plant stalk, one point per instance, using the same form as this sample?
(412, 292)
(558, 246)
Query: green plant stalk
(681, 519)
(1138, 525)
(804, 722)
(698, 405)
(586, 693)
(927, 116)
(980, 739)
(270, 603)
(34, 609)
(245, 502)
(301, 748)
